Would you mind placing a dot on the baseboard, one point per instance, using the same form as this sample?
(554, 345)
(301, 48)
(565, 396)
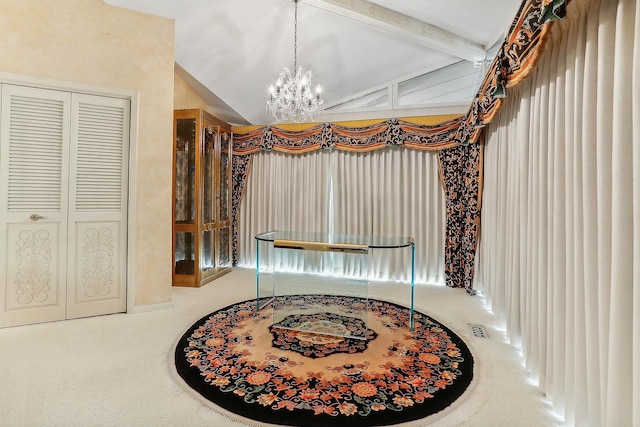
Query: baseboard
(150, 307)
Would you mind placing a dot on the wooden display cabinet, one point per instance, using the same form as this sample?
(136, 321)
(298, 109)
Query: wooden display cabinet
(202, 198)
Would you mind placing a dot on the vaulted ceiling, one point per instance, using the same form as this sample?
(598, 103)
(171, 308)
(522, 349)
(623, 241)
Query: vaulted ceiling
(373, 58)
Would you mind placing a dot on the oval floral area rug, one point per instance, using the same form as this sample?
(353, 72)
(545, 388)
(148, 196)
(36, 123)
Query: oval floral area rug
(237, 359)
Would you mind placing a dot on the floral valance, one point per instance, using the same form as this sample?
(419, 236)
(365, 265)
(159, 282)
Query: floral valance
(514, 61)
(331, 135)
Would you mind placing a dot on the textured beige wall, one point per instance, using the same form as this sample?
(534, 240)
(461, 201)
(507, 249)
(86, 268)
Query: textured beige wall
(185, 97)
(88, 41)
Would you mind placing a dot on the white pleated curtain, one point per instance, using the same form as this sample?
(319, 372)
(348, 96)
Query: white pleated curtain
(390, 192)
(559, 256)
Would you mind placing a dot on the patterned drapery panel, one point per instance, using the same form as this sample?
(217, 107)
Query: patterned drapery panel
(461, 172)
(240, 171)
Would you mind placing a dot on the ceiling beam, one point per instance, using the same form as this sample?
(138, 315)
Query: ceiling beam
(403, 25)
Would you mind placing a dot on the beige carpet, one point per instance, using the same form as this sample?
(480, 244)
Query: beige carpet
(116, 371)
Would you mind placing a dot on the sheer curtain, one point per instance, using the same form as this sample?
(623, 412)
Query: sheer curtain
(393, 192)
(390, 192)
(284, 192)
(559, 255)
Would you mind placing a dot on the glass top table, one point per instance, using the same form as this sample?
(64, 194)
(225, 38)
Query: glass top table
(332, 243)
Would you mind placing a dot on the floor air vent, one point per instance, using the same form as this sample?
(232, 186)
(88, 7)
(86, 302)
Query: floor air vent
(478, 331)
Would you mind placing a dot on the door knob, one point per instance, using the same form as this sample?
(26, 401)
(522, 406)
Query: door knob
(35, 217)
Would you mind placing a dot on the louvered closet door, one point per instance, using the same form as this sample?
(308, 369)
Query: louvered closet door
(34, 163)
(98, 206)
(63, 205)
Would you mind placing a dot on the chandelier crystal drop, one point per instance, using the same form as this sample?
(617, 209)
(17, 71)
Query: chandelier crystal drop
(291, 97)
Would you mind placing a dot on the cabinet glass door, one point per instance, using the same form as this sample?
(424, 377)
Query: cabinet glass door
(208, 261)
(185, 180)
(185, 171)
(224, 176)
(224, 196)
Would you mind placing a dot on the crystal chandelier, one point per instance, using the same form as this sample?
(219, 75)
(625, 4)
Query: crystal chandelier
(291, 97)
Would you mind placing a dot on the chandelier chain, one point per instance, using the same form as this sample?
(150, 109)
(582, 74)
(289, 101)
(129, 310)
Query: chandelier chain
(295, 37)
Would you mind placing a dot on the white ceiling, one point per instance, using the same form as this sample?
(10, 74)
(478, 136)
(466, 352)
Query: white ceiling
(231, 50)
